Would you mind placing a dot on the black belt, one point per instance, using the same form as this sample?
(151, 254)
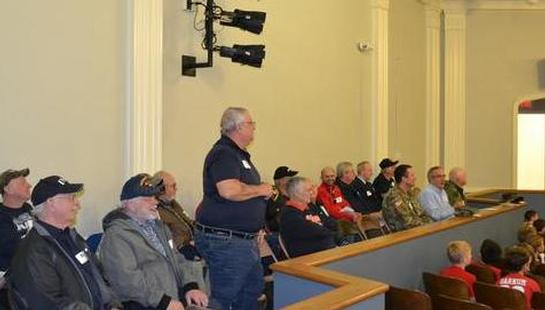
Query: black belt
(224, 232)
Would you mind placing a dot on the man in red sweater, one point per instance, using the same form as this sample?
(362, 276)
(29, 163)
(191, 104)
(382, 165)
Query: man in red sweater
(331, 197)
(459, 255)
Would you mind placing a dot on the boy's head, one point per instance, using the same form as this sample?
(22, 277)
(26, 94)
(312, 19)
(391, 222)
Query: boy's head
(539, 225)
(517, 259)
(531, 216)
(491, 252)
(459, 253)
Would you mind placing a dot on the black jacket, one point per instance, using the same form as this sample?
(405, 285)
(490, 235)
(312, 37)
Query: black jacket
(14, 225)
(302, 236)
(42, 276)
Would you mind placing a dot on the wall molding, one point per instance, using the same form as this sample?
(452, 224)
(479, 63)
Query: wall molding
(379, 96)
(433, 86)
(455, 85)
(144, 105)
(512, 5)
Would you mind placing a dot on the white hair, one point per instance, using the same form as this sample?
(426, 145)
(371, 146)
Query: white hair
(231, 118)
(293, 188)
(38, 210)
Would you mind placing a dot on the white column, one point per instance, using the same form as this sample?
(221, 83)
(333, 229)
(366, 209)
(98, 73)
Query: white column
(144, 89)
(433, 70)
(379, 96)
(455, 88)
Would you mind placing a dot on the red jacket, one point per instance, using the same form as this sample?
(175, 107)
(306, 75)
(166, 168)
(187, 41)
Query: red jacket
(333, 200)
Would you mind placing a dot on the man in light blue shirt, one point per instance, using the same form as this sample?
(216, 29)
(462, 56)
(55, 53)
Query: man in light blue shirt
(433, 198)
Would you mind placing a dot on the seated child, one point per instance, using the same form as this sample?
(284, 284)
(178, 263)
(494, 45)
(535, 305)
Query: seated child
(527, 227)
(459, 255)
(517, 262)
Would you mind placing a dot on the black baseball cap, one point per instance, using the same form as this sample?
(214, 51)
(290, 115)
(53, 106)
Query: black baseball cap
(140, 185)
(52, 186)
(284, 171)
(387, 162)
(9, 175)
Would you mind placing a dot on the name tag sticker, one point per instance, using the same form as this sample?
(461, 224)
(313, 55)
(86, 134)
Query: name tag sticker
(171, 243)
(246, 164)
(82, 257)
(369, 193)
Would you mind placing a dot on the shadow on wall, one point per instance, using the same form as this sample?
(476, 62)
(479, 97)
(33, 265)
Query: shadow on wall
(541, 74)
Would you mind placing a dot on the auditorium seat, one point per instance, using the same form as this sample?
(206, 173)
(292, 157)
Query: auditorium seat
(538, 301)
(538, 278)
(371, 226)
(450, 303)
(436, 285)
(483, 273)
(499, 297)
(540, 270)
(404, 299)
(283, 247)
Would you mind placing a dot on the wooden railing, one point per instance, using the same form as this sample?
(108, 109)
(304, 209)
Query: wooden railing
(350, 290)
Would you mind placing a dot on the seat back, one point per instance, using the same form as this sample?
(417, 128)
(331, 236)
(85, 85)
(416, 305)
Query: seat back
(483, 273)
(450, 303)
(400, 299)
(370, 226)
(499, 297)
(283, 247)
(538, 278)
(538, 301)
(440, 285)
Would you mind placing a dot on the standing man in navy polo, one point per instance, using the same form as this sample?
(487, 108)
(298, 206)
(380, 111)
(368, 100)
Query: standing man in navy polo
(232, 214)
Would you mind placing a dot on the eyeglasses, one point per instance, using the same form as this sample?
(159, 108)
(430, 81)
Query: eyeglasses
(249, 123)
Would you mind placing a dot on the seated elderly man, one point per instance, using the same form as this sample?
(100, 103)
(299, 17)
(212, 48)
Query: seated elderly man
(401, 208)
(385, 180)
(180, 224)
(139, 255)
(371, 199)
(433, 198)
(351, 188)
(331, 197)
(277, 201)
(303, 232)
(53, 268)
(455, 187)
(15, 219)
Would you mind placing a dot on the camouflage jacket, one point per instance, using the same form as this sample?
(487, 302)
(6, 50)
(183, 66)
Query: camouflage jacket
(455, 193)
(402, 210)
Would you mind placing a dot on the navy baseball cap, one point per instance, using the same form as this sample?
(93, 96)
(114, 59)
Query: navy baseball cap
(140, 185)
(284, 171)
(52, 186)
(387, 162)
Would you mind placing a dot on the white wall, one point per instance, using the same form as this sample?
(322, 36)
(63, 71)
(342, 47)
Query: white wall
(311, 99)
(504, 49)
(61, 95)
(407, 38)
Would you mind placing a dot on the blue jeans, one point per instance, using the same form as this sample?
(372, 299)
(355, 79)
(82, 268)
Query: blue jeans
(236, 274)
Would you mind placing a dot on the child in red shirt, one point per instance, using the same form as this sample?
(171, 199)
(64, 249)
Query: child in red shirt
(518, 263)
(459, 254)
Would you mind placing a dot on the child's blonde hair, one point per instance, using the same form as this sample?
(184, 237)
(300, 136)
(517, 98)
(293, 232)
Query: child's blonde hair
(457, 251)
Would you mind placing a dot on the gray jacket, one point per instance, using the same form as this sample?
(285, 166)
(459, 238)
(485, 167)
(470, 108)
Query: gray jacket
(138, 271)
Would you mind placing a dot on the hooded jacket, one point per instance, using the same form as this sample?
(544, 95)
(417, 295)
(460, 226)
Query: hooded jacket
(42, 276)
(137, 270)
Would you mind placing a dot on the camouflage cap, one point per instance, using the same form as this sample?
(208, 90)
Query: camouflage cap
(9, 175)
